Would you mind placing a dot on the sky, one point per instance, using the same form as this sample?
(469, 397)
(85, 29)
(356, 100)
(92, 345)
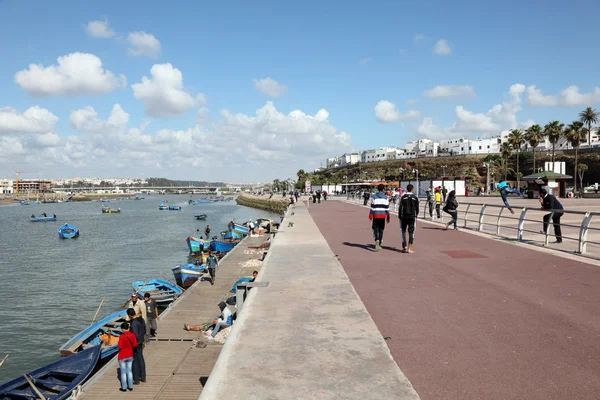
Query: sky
(252, 91)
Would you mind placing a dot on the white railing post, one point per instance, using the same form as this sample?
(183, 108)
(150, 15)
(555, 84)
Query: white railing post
(481, 215)
(521, 224)
(548, 228)
(467, 214)
(498, 222)
(583, 231)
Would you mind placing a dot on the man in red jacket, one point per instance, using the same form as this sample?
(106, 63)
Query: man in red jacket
(127, 342)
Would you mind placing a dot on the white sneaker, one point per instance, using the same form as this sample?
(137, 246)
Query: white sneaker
(377, 246)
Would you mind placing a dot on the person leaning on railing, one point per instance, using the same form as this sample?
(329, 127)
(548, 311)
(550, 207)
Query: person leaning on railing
(550, 202)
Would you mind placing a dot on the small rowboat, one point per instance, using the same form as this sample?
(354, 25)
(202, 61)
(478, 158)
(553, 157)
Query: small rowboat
(163, 292)
(54, 381)
(163, 207)
(200, 216)
(68, 232)
(196, 245)
(231, 235)
(174, 208)
(105, 332)
(240, 229)
(110, 211)
(202, 201)
(42, 219)
(186, 274)
(217, 245)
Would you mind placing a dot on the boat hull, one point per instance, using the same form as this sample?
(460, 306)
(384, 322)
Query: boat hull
(231, 235)
(240, 229)
(42, 219)
(197, 245)
(200, 216)
(186, 274)
(163, 292)
(68, 232)
(220, 246)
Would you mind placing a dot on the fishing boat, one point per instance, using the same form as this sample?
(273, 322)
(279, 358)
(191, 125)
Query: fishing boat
(105, 332)
(138, 198)
(163, 207)
(191, 202)
(54, 381)
(174, 208)
(42, 219)
(197, 245)
(25, 203)
(68, 231)
(105, 200)
(163, 292)
(106, 210)
(186, 274)
(217, 245)
(202, 201)
(200, 216)
(231, 235)
(240, 229)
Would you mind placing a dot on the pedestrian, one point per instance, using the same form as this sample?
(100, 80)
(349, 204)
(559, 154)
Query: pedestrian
(127, 342)
(296, 195)
(251, 226)
(138, 328)
(207, 232)
(451, 208)
(212, 263)
(138, 306)
(379, 214)
(324, 195)
(319, 196)
(444, 192)
(550, 202)
(314, 196)
(505, 189)
(438, 202)
(467, 191)
(430, 201)
(366, 196)
(408, 211)
(152, 314)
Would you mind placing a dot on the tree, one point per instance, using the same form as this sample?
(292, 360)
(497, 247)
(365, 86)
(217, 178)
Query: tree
(554, 131)
(506, 151)
(589, 116)
(575, 134)
(581, 168)
(516, 140)
(533, 136)
(501, 166)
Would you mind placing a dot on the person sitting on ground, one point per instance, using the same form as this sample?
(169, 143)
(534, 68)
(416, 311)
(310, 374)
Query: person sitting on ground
(223, 321)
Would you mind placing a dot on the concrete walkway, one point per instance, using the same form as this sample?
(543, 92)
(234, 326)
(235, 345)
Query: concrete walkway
(307, 335)
(472, 317)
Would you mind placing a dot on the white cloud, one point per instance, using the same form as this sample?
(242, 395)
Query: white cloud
(10, 146)
(411, 102)
(536, 98)
(467, 121)
(87, 120)
(363, 61)
(48, 140)
(34, 120)
(386, 112)
(450, 91)
(429, 130)
(418, 37)
(75, 74)
(202, 114)
(270, 87)
(442, 48)
(568, 97)
(143, 44)
(163, 93)
(99, 29)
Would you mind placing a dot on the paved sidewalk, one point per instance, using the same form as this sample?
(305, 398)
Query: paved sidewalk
(470, 317)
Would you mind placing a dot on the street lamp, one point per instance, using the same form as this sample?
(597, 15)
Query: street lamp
(417, 172)
(487, 180)
(347, 195)
(443, 175)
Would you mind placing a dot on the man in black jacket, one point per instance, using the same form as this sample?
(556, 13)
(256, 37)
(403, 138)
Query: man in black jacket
(549, 202)
(408, 210)
(138, 328)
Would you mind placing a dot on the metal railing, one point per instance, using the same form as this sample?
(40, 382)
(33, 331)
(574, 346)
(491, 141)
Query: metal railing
(498, 221)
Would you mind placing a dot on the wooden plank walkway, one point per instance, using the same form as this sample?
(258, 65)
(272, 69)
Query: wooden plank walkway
(175, 367)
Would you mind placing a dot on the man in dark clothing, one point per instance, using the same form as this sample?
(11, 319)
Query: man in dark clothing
(319, 196)
(549, 202)
(366, 196)
(138, 328)
(444, 193)
(212, 264)
(151, 315)
(408, 210)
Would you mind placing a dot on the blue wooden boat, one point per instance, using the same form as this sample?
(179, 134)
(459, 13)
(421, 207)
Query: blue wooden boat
(200, 216)
(231, 235)
(191, 202)
(202, 201)
(105, 200)
(105, 332)
(163, 207)
(197, 245)
(55, 381)
(68, 231)
(163, 292)
(217, 245)
(240, 229)
(42, 219)
(24, 203)
(174, 208)
(186, 274)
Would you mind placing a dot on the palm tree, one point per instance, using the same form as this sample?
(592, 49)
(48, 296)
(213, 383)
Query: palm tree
(575, 134)
(516, 140)
(500, 165)
(506, 151)
(589, 116)
(533, 136)
(554, 131)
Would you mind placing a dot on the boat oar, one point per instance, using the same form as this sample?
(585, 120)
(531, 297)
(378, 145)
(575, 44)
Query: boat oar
(98, 310)
(35, 389)
(4, 359)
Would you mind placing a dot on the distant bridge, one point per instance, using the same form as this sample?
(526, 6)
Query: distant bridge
(129, 189)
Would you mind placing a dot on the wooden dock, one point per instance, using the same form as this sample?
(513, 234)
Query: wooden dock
(175, 367)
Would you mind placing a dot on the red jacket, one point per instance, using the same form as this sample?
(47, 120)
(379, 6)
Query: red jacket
(127, 341)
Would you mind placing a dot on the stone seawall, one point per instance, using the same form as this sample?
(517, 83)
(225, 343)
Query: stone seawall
(278, 205)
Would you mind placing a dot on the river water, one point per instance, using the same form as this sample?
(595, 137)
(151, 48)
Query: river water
(50, 288)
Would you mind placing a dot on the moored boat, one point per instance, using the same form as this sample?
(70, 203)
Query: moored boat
(163, 292)
(240, 229)
(105, 332)
(163, 207)
(68, 231)
(200, 216)
(197, 245)
(231, 235)
(54, 381)
(42, 219)
(106, 210)
(217, 245)
(174, 208)
(186, 274)
(202, 201)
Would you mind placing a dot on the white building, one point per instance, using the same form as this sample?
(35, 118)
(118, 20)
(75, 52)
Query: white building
(349, 159)
(333, 162)
(463, 146)
(6, 186)
(368, 156)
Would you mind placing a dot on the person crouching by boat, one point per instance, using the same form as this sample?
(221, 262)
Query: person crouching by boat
(127, 342)
(152, 313)
(212, 263)
(138, 306)
(54, 216)
(138, 328)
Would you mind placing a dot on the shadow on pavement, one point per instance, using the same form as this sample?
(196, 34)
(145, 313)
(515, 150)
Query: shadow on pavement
(371, 247)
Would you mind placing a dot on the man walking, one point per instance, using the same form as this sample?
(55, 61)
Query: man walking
(207, 232)
(379, 214)
(212, 263)
(408, 211)
(138, 328)
(550, 202)
(430, 201)
(366, 197)
(152, 314)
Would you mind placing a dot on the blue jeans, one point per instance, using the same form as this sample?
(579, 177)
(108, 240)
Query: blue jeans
(504, 194)
(219, 325)
(454, 215)
(126, 373)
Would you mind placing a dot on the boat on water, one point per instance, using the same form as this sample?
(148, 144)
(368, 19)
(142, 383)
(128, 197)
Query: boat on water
(68, 231)
(138, 198)
(197, 245)
(106, 210)
(202, 201)
(191, 202)
(42, 219)
(163, 207)
(54, 381)
(105, 200)
(186, 274)
(174, 208)
(231, 235)
(163, 292)
(240, 229)
(221, 246)
(200, 216)
(105, 333)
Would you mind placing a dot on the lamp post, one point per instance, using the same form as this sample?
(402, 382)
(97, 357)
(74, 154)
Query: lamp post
(487, 179)
(347, 195)
(443, 175)
(417, 172)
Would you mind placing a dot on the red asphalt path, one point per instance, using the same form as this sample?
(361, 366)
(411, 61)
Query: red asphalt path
(513, 323)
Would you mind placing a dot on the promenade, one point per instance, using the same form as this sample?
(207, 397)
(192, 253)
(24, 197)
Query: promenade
(470, 317)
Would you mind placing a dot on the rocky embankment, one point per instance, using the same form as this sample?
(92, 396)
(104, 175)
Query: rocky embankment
(277, 205)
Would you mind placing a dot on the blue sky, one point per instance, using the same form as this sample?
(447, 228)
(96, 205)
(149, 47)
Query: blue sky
(344, 57)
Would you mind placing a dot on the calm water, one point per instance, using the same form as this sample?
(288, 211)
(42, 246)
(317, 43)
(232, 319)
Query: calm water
(50, 288)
